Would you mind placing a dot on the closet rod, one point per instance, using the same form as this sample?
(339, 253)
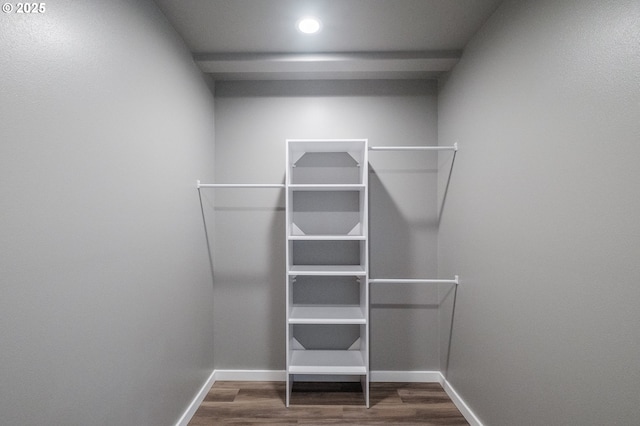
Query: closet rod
(455, 280)
(239, 185)
(453, 147)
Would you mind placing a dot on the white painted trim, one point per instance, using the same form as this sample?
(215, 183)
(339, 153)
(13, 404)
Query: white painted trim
(197, 400)
(320, 66)
(251, 375)
(375, 376)
(406, 376)
(468, 414)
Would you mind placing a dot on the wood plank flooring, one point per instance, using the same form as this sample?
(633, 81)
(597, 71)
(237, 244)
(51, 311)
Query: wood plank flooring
(252, 403)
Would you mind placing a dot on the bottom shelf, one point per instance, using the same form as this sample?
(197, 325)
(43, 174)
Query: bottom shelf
(327, 362)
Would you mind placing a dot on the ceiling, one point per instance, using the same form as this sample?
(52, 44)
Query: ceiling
(257, 39)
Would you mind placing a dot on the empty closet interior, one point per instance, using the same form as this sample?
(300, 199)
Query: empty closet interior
(503, 266)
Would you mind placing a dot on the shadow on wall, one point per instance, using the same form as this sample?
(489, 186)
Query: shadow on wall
(207, 209)
(388, 232)
(315, 88)
(443, 200)
(247, 286)
(206, 230)
(447, 292)
(277, 272)
(402, 315)
(447, 307)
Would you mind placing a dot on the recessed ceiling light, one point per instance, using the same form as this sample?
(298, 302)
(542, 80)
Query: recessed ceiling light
(309, 25)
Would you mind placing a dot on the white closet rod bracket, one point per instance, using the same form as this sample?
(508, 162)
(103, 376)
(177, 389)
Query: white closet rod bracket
(453, 147)
(239, 185)
(455, 281)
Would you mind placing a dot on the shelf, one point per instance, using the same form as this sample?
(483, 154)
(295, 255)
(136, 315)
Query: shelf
(330, 163)
(328, 187)
(327, 362)
(324, 145)
(326, 214)
(335, 270)
(327, 237)
(327, 315)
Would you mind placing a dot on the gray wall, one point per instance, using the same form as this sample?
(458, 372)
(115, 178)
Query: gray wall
(253, 119)
(541, 215)
(105, 284)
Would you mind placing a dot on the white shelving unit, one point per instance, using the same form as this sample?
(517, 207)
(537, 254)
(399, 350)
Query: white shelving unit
(327, 307)
(327, 280)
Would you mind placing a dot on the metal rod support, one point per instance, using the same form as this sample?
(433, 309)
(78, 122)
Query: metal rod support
(413, 281)
(239, 185)
(453, 147)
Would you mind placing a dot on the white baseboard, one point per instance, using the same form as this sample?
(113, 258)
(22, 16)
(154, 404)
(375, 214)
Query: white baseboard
(251, 375)
(406, 376)
(281, 376)
(459, 403)
(376, 376)
(197, 400)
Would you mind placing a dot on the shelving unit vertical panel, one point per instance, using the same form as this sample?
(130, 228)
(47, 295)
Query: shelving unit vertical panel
(288, 279)
(365, 283)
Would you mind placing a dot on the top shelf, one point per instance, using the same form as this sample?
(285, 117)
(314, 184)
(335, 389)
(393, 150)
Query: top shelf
(326, 145)
(327, 164)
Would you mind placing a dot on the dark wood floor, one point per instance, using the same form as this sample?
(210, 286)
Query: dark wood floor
(251, 403)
